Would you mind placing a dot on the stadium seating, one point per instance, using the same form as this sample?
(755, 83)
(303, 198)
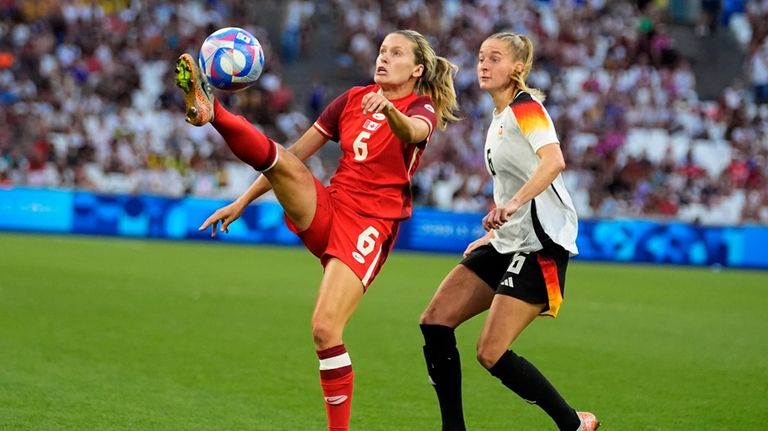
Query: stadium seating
(85, 103)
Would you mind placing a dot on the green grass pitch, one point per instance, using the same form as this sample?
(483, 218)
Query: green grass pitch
(107, 334)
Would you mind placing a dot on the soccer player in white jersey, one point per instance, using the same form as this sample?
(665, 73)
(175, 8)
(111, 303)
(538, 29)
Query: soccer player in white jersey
(517, 270)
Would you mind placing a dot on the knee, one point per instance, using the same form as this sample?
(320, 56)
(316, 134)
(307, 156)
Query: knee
(324, 333)
(438, 315)
(488, 356)
(429, 316)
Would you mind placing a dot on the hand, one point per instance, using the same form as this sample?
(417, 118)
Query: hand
(375, 102)
(225, 216)
(477, 243)
(500, 215)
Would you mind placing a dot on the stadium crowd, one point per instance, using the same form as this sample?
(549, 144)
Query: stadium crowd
(638, 140)
(86, 101)
(87, 98)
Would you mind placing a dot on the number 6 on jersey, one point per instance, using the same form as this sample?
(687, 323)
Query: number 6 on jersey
(366, 242)
(360, 147)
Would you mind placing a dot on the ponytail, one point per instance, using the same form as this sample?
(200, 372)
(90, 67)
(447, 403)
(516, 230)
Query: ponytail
(438, 85)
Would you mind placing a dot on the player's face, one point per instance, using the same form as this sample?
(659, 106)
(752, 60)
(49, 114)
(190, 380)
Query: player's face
(495, 65)
(396, 63)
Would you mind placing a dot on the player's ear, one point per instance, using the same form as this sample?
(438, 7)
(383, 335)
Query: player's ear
(418, 71)
(517, 68)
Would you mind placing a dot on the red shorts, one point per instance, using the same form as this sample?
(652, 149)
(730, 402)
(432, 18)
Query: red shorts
(362, 243)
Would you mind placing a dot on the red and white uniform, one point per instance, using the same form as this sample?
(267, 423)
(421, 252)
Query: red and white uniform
(358, 215)
(374, 173)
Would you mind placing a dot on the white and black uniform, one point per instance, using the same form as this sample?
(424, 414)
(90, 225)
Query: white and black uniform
(528, 256)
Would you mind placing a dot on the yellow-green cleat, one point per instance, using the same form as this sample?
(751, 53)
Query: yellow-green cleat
(198, 94)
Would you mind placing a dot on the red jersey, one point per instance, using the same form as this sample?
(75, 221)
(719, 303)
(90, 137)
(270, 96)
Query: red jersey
(375, 169)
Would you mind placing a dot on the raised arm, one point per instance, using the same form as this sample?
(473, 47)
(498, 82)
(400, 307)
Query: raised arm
(412, 130)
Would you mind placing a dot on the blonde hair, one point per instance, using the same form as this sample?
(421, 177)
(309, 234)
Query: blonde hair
(437, 79)
(521, 49)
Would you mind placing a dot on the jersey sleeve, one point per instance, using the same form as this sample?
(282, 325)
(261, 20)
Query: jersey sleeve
(422, 109)
(534, 122)
(328, 122)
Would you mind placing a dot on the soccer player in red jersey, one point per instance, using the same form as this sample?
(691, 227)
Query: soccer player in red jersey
(351, 225)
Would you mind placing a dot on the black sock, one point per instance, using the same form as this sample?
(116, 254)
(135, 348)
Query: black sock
(526, 381)
(444, 369)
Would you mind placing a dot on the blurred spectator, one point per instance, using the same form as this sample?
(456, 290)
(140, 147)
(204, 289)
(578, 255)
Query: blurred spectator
(709, 17)
(296, 29)
(758, 69)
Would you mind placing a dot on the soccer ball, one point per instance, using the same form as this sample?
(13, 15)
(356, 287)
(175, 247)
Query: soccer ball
(231, 58)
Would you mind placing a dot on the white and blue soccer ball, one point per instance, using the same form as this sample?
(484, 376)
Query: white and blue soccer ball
(231, 58)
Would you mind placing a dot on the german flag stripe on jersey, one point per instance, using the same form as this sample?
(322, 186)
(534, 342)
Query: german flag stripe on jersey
(530, 115)
(552, 280)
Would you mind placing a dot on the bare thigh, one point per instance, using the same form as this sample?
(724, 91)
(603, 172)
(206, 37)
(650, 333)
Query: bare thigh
(461, 296)
(294, 187)
(339, 295)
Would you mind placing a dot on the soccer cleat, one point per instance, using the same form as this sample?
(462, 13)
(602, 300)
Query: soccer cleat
(198, 94)
(588, 421)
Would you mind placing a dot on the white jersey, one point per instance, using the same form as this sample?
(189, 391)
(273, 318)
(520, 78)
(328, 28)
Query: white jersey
(515, 134)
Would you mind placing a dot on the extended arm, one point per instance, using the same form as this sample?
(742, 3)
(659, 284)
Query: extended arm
(410, 129)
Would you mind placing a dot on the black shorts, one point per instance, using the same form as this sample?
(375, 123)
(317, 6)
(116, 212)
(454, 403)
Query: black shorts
(536, 278)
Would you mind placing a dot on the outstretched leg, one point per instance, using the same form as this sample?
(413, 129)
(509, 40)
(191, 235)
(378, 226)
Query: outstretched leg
(291, 180)
(461, 295)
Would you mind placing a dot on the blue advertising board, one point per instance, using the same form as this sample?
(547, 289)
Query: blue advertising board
(161, 217)
(36, 210)
(143, 216)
